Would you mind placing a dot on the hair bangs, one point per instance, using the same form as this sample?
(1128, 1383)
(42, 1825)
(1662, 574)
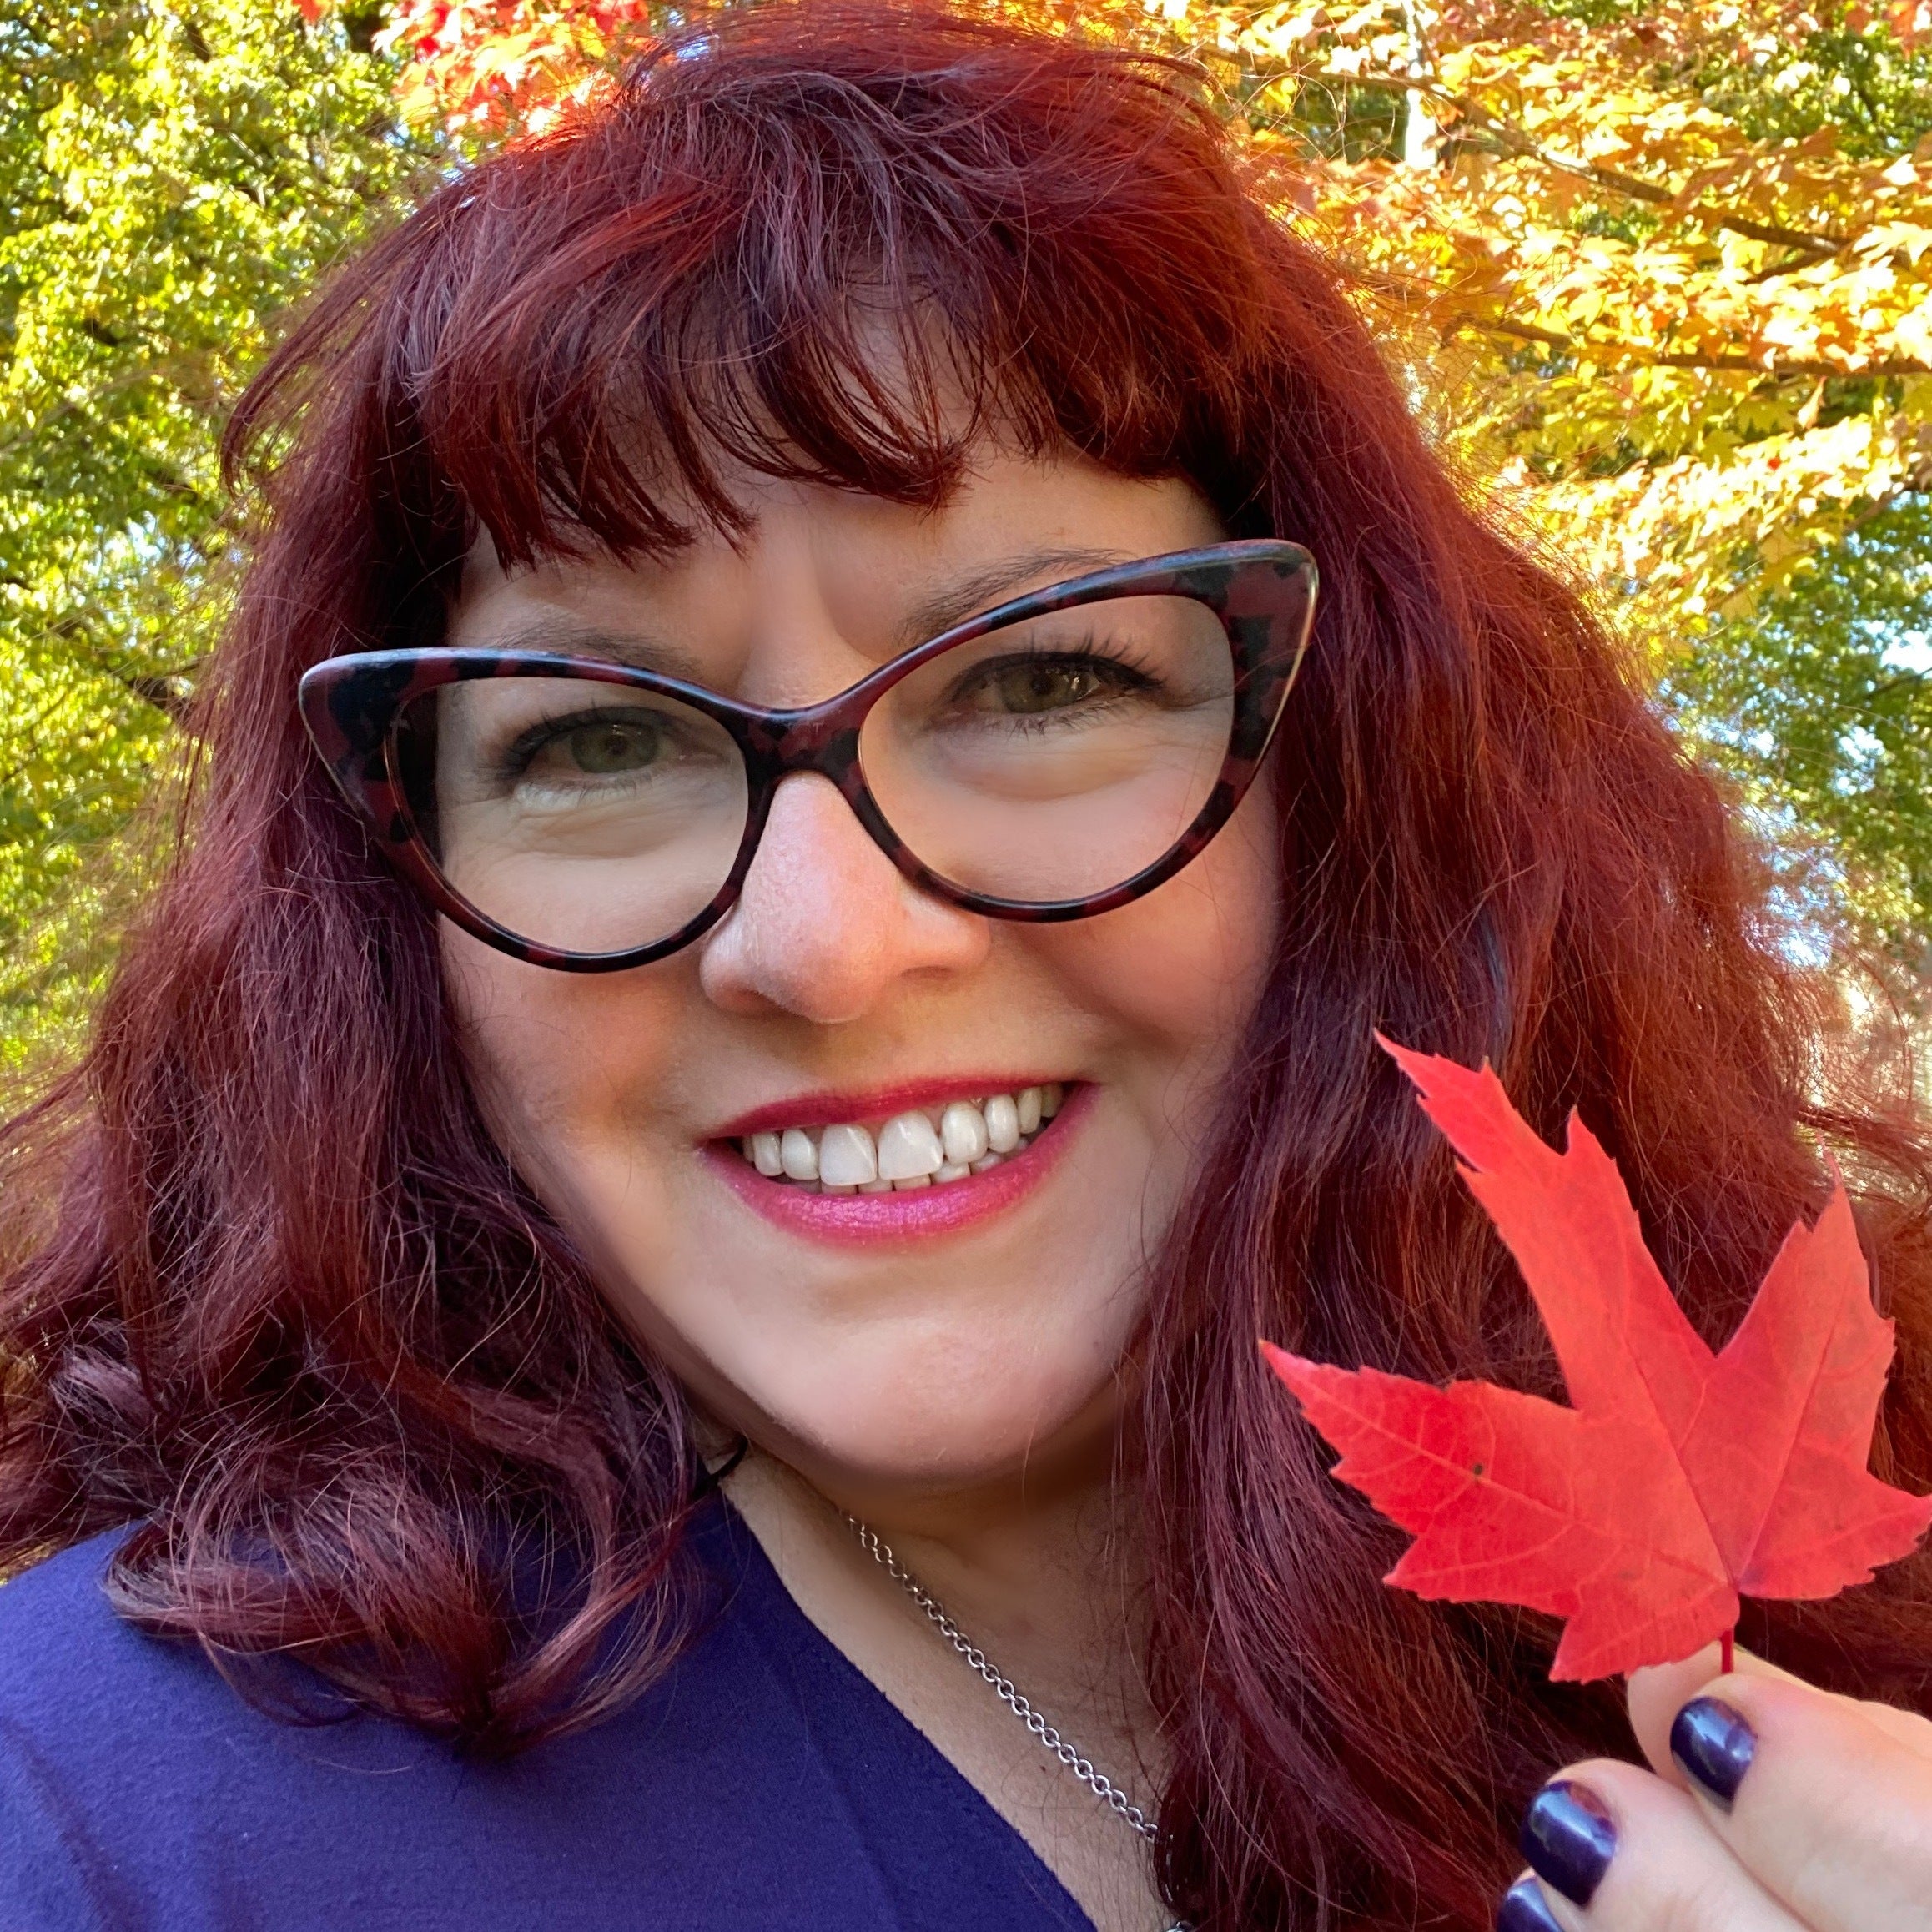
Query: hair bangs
(844, 273)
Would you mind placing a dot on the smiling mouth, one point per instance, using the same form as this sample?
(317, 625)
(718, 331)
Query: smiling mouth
(922, 1147)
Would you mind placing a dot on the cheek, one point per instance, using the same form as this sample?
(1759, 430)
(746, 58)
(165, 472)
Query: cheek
(1176, 976)
(561, 1062)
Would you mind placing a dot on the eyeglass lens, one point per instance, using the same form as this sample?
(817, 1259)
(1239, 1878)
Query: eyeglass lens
(1049, 760)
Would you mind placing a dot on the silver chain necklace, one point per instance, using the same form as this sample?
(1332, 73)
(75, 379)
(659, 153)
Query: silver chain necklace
(1003, 1686)
(1098, 1782)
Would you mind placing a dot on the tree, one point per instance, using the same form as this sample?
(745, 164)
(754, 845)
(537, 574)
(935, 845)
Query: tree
(1661, 272)
(173, 176)
(1658, 273)
(1820, 704)
(1655, 270)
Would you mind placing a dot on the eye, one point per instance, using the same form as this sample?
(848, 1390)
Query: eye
(1028, 687)
(567, 752)
(609, 747)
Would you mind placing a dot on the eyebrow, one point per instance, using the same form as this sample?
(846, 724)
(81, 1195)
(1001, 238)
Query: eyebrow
(560, 637)
(964, 597)
(959, 599)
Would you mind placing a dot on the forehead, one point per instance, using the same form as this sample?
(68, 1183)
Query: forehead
(813, 563)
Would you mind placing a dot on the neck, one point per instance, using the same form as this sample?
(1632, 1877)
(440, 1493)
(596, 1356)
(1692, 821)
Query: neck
(1040, 1569)
(1043, 1575)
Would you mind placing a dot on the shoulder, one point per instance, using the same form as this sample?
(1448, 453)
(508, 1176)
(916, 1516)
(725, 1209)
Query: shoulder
(89, 1708)
(760, 1781)
(75, 1679)
(135, 1783)
(63, 1653)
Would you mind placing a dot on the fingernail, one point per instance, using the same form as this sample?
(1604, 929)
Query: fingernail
(1523, 1910)
(1713, 1747)
(1567, 1837)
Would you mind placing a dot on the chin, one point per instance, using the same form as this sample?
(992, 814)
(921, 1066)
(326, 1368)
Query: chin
(907, 1435)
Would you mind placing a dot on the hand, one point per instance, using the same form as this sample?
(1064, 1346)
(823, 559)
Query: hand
(1769, 1807)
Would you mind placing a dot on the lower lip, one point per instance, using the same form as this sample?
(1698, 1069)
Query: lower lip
(921, 1213)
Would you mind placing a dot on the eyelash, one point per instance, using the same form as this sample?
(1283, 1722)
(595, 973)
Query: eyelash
(1135, 665)
(515, 759)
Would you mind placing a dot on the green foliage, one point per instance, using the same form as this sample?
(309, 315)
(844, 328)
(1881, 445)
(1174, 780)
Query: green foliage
(1820, 708)
(174, 172)
(1818, 704)
(172, 177)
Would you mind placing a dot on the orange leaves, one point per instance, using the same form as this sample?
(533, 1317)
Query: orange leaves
(503, 66)
(1691, 352)
(1910, 20)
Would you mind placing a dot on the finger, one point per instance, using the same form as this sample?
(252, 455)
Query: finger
(1615, 1849)
(1828, 1809)
(1658, 1693)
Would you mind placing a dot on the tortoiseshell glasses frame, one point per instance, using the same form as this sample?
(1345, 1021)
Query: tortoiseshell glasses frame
(1261, 592)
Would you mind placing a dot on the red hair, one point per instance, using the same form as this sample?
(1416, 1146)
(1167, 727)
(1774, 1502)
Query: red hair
(276, 1295)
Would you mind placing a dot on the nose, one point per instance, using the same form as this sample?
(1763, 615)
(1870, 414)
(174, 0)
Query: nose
(826, 926)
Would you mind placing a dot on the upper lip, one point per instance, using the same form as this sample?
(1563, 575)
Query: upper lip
(831, 1109)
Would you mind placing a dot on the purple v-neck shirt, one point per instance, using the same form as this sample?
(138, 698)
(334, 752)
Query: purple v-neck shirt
(762, 1786)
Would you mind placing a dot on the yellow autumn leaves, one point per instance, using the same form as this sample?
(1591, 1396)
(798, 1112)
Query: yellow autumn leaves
(1658, 302)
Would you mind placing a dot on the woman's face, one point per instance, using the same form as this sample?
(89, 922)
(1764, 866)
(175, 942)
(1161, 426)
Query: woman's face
(922, 1340)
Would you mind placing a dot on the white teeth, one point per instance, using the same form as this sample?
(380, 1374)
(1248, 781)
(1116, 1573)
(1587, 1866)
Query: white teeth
(799, 1155)
(846, 1157)
(963, 1134)
(1002, 1124)
(909, 1149)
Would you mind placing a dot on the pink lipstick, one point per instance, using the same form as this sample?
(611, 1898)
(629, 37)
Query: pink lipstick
(944, 1158)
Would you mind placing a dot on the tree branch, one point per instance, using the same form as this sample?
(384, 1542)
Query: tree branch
(1905, 681)
(1513, 140)
(1634, 353)
(1430, 299)
(162, 692)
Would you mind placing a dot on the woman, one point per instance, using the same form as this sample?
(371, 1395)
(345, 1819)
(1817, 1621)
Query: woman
(742, 982)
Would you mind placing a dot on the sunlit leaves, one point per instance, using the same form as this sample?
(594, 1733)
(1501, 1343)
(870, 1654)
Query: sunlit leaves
(1663, 274)
(1655, 271)
(173, 177)
(1706, 350)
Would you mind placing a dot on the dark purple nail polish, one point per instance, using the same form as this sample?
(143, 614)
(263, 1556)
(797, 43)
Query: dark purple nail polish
(1713, 1747)
(1567, 1837)
(1523, 1910)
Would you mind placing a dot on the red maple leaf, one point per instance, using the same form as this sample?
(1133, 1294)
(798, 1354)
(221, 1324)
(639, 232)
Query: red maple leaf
(1680, 1478)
